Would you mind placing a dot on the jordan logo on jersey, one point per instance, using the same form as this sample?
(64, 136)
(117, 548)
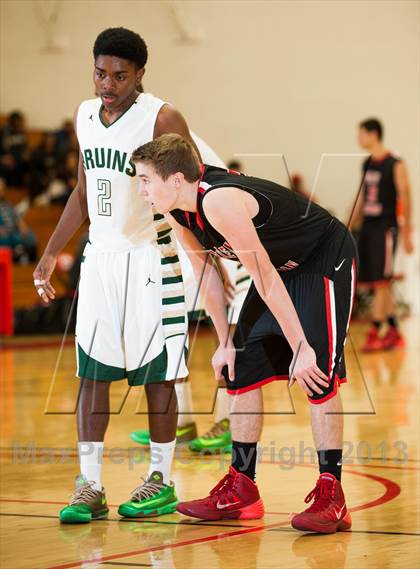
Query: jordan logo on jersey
(108, 158)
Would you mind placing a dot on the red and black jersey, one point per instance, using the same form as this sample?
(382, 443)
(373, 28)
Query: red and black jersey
(289, 226)
(379, 191)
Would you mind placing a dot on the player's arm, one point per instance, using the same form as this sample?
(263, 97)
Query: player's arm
(74, 214)
(212, 293)
(171, 121)
(243, 238)
(404, 198)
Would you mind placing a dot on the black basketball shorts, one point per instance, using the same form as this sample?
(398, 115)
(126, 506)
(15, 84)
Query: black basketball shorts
(377, 246)
(322, 292)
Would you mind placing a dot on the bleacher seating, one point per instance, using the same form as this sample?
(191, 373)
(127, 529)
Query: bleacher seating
(42, 220)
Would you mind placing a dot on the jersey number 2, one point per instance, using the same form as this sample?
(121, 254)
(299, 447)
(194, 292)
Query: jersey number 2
(104, 197)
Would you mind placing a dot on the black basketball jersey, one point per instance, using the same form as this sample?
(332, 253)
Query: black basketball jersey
(379, 191)
(289, 227)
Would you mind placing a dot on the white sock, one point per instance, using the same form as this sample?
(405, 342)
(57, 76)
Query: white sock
(90, 457)
(222, 404)
(161, 456)
(185, 405)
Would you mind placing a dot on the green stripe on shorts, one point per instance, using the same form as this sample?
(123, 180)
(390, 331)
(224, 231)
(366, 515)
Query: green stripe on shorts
(164, 240)
(171, 280)
(169, 260)
(173, 300)
(152, 372)
(174, 320)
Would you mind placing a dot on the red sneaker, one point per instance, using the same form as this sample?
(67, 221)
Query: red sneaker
(373, 341)
(328, 512)
(393, 339)
(235, 497)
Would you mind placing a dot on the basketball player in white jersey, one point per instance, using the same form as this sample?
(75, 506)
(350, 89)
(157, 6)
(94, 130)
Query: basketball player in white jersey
(131, 316)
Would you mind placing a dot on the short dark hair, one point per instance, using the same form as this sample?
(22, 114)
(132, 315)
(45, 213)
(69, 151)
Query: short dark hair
(122, 43)
(168, 154)
(373, 125)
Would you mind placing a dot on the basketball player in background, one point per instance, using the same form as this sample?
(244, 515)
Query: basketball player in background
(383, 211)
(131, 315)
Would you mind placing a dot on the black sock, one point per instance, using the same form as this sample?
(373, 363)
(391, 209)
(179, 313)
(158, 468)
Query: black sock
(376, 323)
(244, 458)
(392, 321)
(330, 461)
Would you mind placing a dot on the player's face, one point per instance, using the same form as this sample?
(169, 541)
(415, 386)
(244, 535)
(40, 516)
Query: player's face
(365, 138)
(115, 80)
(161, 194)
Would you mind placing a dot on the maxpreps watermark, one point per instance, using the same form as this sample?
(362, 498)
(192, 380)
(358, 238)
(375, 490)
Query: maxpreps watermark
(285, 457)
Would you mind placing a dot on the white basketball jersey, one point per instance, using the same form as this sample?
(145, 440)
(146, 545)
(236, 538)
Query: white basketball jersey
(119, 217)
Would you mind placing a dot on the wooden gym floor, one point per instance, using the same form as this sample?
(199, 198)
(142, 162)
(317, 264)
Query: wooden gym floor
(381, 477)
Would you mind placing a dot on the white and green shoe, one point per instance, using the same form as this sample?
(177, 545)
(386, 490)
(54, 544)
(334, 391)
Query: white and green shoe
(86, 504)
(152, 498)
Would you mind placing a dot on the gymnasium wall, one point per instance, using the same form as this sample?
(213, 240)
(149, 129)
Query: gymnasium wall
(251, 77)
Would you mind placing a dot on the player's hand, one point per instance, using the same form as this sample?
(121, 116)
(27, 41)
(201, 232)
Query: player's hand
(224, 355)
(42, 275)
(305, 372)
(408, 241)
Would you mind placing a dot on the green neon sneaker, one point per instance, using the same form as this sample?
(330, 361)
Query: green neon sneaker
(152, 498)
(184, 434)
(218, 438)
(86, 504)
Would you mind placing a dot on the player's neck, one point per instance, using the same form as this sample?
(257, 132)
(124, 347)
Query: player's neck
(109, 115)
(378, 151)
(187, 200)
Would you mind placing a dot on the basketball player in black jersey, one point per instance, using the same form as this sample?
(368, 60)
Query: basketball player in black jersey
(293, 322)
(383, 210)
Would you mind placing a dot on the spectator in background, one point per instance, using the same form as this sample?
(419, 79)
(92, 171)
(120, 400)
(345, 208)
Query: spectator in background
(14, 233)
(63, 138)
(14, 151)
(43, 165)
(64, 181)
